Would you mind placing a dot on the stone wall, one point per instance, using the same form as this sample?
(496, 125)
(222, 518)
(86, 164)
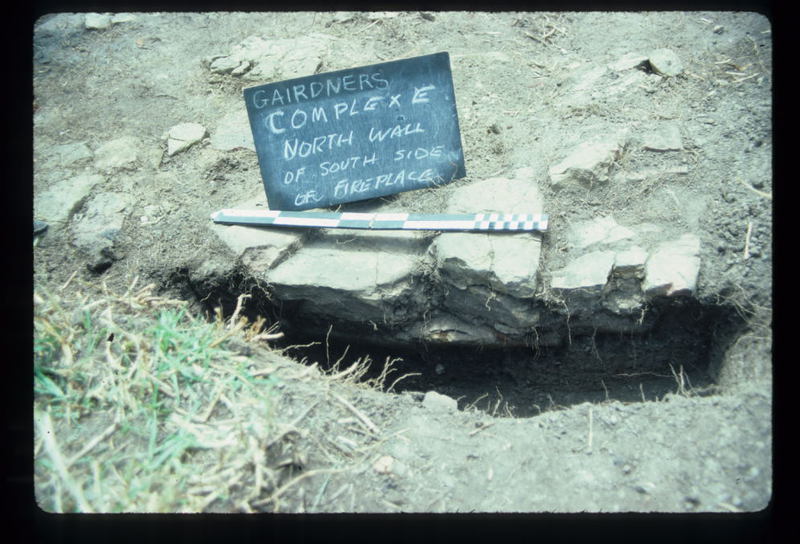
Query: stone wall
(468, 288)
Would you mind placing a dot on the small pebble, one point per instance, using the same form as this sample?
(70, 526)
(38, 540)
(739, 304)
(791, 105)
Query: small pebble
(39, 227)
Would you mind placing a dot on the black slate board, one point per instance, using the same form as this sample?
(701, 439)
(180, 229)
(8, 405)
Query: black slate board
(356, 134)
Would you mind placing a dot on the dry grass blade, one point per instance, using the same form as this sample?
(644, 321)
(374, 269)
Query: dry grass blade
(361, 417)
(768, 196)
(403, 377)
(92, 443)
(483, 426)
(45, 427)
(273, 498)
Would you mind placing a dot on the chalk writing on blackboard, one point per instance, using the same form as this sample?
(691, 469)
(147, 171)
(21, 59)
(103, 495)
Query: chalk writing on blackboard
(355, 134)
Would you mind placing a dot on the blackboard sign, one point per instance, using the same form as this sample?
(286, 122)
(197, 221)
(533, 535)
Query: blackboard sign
(355, 134)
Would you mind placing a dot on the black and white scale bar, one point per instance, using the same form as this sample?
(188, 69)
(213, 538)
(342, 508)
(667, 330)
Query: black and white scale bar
(385, 221)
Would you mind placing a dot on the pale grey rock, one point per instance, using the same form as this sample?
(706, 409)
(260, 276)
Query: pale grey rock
(673, 267)
(275, 59)
(587, 271)
(630, 80)
(70, 154)
(447, 329)
(438, 402)
(589, 163)
(501, 195)
(508, 262)
(62, 199)
(233, 132)
(602, 230)
(60, 24)
(585, 79)
(341, 270)
(241, 69)
(261, 249)
(342, 16)
(633, 177)
(680, 169)
(378, 15)
(628, 61)
(98, 225)
(665, 138)
(630, 263)
(97, 21)
(152, 215)
(118, 18)
(224, 65)
(118, 153)
(665, 62)
(346, 284)
(182, 136)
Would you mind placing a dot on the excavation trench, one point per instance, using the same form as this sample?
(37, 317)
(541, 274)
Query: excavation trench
(681, 351)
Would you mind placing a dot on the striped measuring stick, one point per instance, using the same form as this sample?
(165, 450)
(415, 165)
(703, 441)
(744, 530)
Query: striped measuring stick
(519, 222)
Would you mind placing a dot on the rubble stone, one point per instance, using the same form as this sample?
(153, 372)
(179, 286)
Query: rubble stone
(182, 136)
(665, 138)
(665, 62)
(98, 225)
(673, 267)
(630, 263)
(603, 230)
(233, 132)
(119, 153)
(62, 199)
(437, 401)
(588, 271)
(589, 163)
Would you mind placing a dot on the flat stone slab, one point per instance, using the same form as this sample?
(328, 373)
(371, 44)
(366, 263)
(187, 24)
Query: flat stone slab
(673, 267)
(119, 153)
(587, 164)
(68, 154)
(665, 138)
(506, 262)
(233, 132)
(628, 61)
(630, 263)
(603, 230)
(502, 195)
(356, 285)
(182, 136)
(260, 248)
(340, 270)
(665, 62)
(97, 21)
(438, 402)
(98, 225)
(257, 59)
(56, 204)
(587, 271)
